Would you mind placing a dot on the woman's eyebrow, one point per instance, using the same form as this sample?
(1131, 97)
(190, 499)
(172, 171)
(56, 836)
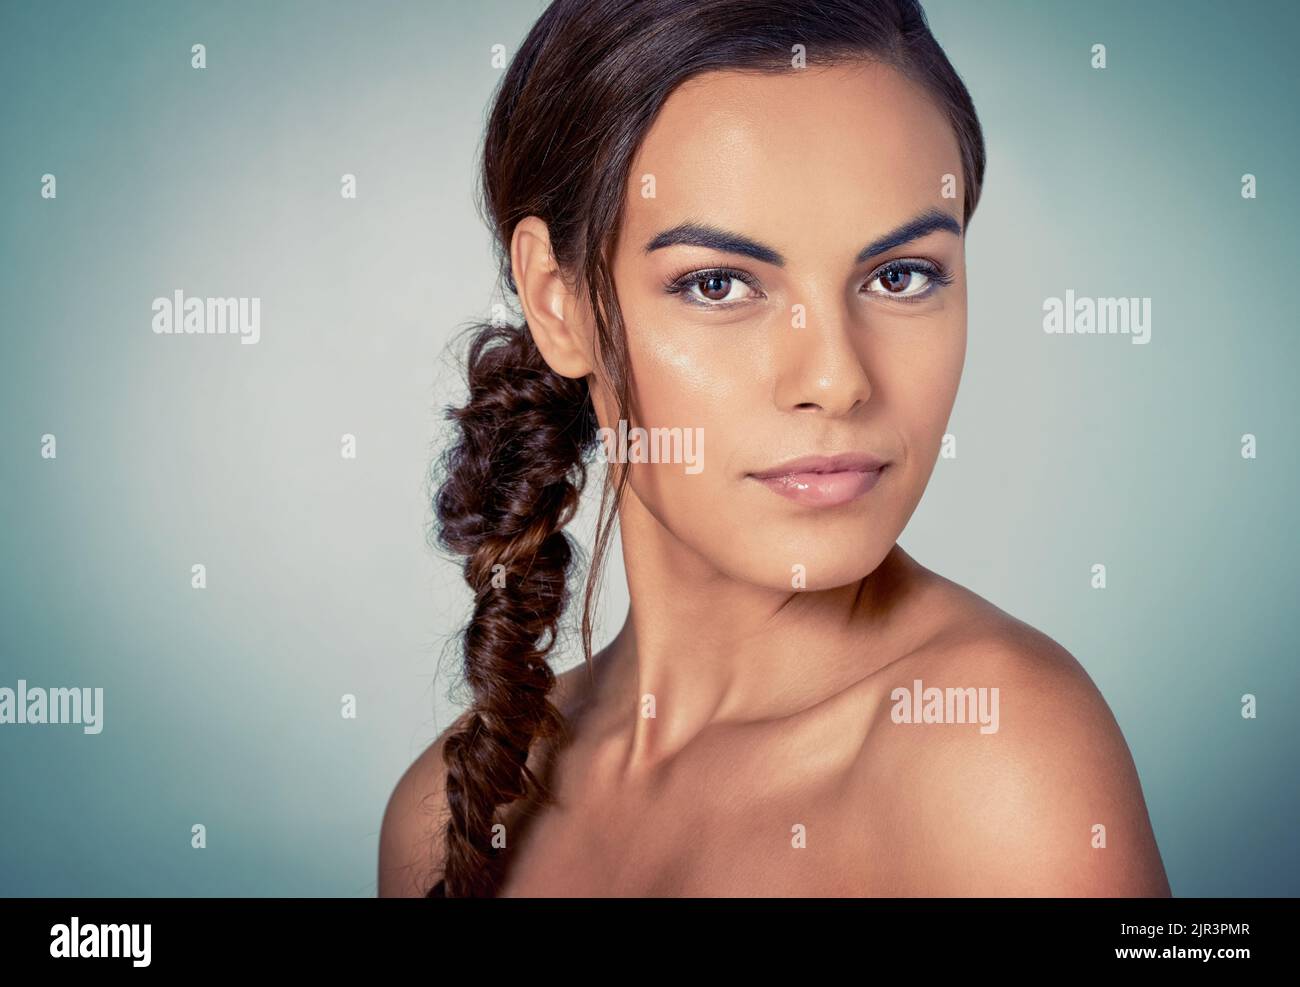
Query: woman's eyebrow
(713, 238)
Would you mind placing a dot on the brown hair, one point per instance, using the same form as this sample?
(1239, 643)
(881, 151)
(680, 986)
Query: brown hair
(567, 118)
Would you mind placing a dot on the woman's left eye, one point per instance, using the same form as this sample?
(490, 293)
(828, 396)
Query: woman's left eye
(907, 280)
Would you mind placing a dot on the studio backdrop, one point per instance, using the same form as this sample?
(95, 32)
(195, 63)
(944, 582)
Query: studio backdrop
(220, 538)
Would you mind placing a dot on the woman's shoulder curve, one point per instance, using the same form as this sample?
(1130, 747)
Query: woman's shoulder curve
(411, 838)
(967, 634)
(1032, 785)
(412, 847)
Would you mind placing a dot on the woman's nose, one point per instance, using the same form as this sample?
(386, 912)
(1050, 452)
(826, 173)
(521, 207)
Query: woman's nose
(820, 368)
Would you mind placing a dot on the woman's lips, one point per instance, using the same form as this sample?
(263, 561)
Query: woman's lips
(823, 489)
(823, 481)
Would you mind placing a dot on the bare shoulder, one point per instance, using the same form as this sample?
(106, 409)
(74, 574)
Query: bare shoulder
(411, 838)
(1019, 779)
(412, 847)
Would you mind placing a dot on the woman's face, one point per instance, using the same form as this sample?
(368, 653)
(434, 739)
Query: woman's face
(803, 335)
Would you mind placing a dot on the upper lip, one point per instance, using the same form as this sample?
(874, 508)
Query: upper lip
(855, 462)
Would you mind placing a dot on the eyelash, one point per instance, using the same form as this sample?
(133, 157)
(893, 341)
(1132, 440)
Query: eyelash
(938, 274)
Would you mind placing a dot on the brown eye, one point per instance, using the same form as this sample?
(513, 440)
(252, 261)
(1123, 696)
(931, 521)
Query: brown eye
(906, 280)
(714, 288)
(896, 282)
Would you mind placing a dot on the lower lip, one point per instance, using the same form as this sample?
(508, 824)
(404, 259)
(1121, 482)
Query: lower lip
(823, 489)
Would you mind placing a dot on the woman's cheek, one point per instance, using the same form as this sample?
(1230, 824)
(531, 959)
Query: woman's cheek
(687, 376)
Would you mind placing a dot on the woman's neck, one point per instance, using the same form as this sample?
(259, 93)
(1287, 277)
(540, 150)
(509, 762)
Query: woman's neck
(701, 647)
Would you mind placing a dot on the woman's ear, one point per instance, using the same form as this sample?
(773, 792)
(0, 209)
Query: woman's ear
(557, 318)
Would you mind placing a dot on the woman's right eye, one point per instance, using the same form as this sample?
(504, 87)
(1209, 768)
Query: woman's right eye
(713, 288)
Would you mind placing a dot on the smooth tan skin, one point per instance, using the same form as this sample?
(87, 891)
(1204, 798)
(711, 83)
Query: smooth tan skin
(772, 705)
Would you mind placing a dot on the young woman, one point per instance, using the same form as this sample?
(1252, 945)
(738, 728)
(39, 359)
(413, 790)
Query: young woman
(742, 220)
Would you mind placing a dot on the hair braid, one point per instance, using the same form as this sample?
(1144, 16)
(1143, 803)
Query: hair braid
(512, 481)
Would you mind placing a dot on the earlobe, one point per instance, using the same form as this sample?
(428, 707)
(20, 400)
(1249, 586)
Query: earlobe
(555, 316)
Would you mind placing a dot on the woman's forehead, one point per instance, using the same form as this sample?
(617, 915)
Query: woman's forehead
(807, 158)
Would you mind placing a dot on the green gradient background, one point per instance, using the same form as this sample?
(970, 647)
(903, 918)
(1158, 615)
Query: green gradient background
(222, 707)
